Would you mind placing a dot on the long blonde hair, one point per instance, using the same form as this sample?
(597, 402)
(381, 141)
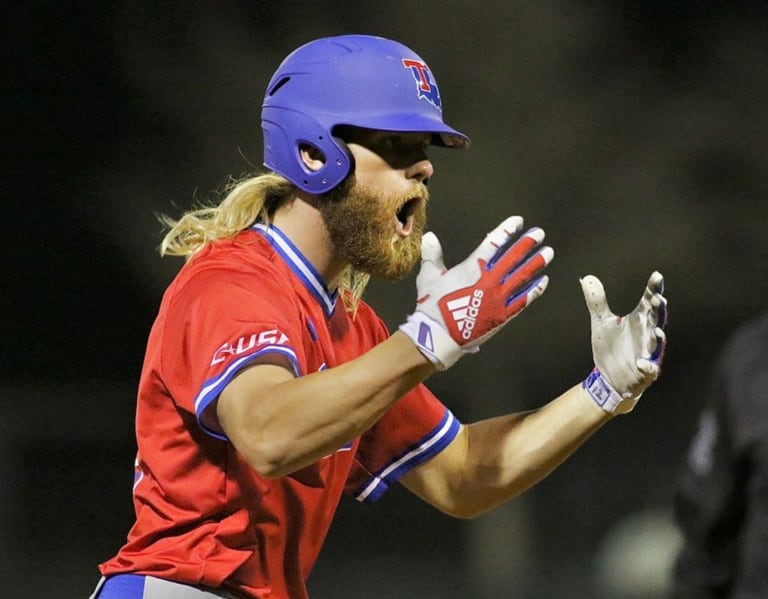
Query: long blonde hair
(246, 201)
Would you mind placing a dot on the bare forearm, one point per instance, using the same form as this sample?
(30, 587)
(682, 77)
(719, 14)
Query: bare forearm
(509, 454)
(308, 417)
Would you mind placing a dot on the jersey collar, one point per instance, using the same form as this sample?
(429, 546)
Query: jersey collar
(300, 266)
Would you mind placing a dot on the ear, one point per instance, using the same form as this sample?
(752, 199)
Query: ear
(312, 157)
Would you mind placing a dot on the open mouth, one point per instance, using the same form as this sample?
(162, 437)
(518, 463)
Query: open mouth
(405, 216)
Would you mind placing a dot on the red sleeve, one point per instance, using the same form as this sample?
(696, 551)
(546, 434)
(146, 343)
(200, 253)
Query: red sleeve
(415, 429)
(217, 322)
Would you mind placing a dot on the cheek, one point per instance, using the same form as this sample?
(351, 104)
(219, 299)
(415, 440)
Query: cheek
(376, 174)
(380, 185)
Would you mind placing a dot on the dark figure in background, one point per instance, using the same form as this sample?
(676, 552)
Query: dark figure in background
(722, 502)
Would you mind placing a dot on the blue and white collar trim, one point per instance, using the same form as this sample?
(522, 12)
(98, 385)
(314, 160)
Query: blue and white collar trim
(300, 265)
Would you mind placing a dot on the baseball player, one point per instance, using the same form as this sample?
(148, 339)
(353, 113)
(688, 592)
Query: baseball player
(269, 387)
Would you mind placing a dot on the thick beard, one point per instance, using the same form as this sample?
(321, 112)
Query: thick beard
(360, 224)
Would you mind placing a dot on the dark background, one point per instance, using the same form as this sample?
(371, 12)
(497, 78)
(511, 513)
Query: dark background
(634, 133)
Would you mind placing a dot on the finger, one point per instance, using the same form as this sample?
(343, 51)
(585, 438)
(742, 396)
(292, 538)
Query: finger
(652, 305)
(510, 255)
(656, 282)
(432, 251)
(661, 343)
(659, 309)
(651, 288)
(648, 368)
(497, 238)
(522, 274)
(518, 302)
(594, 296)
(432, 266)
(655, 286)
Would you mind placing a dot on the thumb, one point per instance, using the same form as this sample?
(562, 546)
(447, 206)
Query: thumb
(432, 265)
(594, 295)
(432, 252)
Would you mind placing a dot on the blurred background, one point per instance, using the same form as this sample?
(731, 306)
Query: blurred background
(634, 133)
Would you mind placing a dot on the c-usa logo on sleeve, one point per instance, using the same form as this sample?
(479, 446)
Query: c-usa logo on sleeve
(248, 343)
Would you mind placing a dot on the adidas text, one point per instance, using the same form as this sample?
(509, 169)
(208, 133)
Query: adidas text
(465, 310)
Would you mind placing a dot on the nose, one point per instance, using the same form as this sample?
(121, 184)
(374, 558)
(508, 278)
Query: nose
(421, 170)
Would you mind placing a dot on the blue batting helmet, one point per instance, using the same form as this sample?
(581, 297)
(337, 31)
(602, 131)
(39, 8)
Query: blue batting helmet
(358, 80)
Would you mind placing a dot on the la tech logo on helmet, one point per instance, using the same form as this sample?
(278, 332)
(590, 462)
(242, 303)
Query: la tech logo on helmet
(424, 83)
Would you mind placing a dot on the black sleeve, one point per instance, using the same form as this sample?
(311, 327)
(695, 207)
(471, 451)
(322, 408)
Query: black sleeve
(709, 504)
(721, 504)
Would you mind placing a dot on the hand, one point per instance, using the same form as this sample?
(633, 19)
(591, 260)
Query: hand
(459, 309)
(627, 350)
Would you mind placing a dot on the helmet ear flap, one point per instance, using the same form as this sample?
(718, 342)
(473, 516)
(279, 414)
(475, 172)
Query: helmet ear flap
(317, 155)
(286, 132)
(342, 145)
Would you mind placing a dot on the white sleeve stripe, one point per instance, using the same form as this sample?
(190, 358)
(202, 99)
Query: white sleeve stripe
(237, 364)
(379, 479)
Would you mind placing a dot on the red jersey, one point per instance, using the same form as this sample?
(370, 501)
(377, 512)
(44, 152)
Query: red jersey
(203, 515)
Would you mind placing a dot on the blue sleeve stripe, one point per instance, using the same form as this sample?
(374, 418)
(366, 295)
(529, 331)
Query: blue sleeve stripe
(429, 446)
(212, 388)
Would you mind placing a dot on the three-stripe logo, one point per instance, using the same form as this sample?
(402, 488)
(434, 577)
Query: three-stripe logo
(464, 311)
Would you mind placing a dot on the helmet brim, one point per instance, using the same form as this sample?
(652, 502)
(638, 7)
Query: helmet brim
(442, 134)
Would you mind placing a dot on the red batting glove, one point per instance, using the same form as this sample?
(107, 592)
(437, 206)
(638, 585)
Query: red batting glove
(459, 309)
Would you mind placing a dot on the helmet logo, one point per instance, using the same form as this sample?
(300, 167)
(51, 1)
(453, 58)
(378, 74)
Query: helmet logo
(426, 86)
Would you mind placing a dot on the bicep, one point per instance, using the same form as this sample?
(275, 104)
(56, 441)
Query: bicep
(242, 396)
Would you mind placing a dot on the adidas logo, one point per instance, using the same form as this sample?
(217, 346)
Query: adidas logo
(465, 310)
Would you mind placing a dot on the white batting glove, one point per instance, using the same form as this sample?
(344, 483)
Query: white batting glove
(459, 309)
(627, 350)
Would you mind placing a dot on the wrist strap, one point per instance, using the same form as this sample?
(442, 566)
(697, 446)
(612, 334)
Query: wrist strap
(432, 340)
(606, 396)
